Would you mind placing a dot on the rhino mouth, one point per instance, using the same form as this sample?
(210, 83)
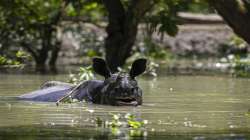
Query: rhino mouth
(127, 101)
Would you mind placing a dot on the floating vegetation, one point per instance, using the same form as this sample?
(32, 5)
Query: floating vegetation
(248, 113)
(127, 123)
(122, 121)
(84, 74)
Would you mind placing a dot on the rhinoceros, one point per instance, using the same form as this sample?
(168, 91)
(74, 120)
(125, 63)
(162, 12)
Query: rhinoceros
(119, 88)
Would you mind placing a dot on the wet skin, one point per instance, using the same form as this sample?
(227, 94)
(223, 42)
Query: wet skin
(120, 89)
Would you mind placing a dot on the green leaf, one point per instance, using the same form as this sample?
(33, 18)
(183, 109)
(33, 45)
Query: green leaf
(70, 10)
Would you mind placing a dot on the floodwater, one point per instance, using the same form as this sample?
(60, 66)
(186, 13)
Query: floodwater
(175, 107)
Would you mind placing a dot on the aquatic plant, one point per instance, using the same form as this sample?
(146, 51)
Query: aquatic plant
(127, 123)
(248, 113)
(84, 74)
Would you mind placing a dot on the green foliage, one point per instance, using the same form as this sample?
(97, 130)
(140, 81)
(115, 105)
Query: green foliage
(238, 57)
(30, 25)
(154, 51)
(92, 11)
(241, 67)
(127, 123)
(91, 41)
(7, 62)
(119, 121)
(85, 73)
(197, 6)
(238, 42)
(34, 24)
(26, 17)
(22, 54)
(16, 61)
(133, 123)
(163, 17)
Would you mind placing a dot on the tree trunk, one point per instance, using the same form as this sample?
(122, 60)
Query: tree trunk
(122, 29)
(236, 13)
(54, 55)
(41, 60)
(41, 66)
(46, 36)
(120, 40)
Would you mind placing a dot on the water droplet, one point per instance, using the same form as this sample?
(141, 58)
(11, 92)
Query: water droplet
(145, 121)
(90, 110)
(145, 134)
(171, 89)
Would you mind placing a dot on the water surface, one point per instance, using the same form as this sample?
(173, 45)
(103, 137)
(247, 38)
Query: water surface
(176, 107)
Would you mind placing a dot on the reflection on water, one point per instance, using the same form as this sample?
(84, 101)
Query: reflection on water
(182, 107)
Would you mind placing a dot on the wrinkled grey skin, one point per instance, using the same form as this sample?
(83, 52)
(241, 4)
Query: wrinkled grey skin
(121, 89)
(117, 89)
(52, 91)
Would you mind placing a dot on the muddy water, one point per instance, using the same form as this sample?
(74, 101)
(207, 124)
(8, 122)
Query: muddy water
(181, 107)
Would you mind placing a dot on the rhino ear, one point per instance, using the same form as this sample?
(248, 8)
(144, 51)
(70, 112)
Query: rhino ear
(100, 67)
(138, 67)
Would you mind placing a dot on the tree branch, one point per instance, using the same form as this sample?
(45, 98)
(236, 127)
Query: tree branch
(237, 19)
(140, 7)
(31, 11)
(58, 16)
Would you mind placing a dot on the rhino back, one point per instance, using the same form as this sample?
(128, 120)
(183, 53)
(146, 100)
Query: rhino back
(50, 94)
(89, 90)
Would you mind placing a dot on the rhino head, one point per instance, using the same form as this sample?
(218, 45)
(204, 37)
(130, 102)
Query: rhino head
(120, 88)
